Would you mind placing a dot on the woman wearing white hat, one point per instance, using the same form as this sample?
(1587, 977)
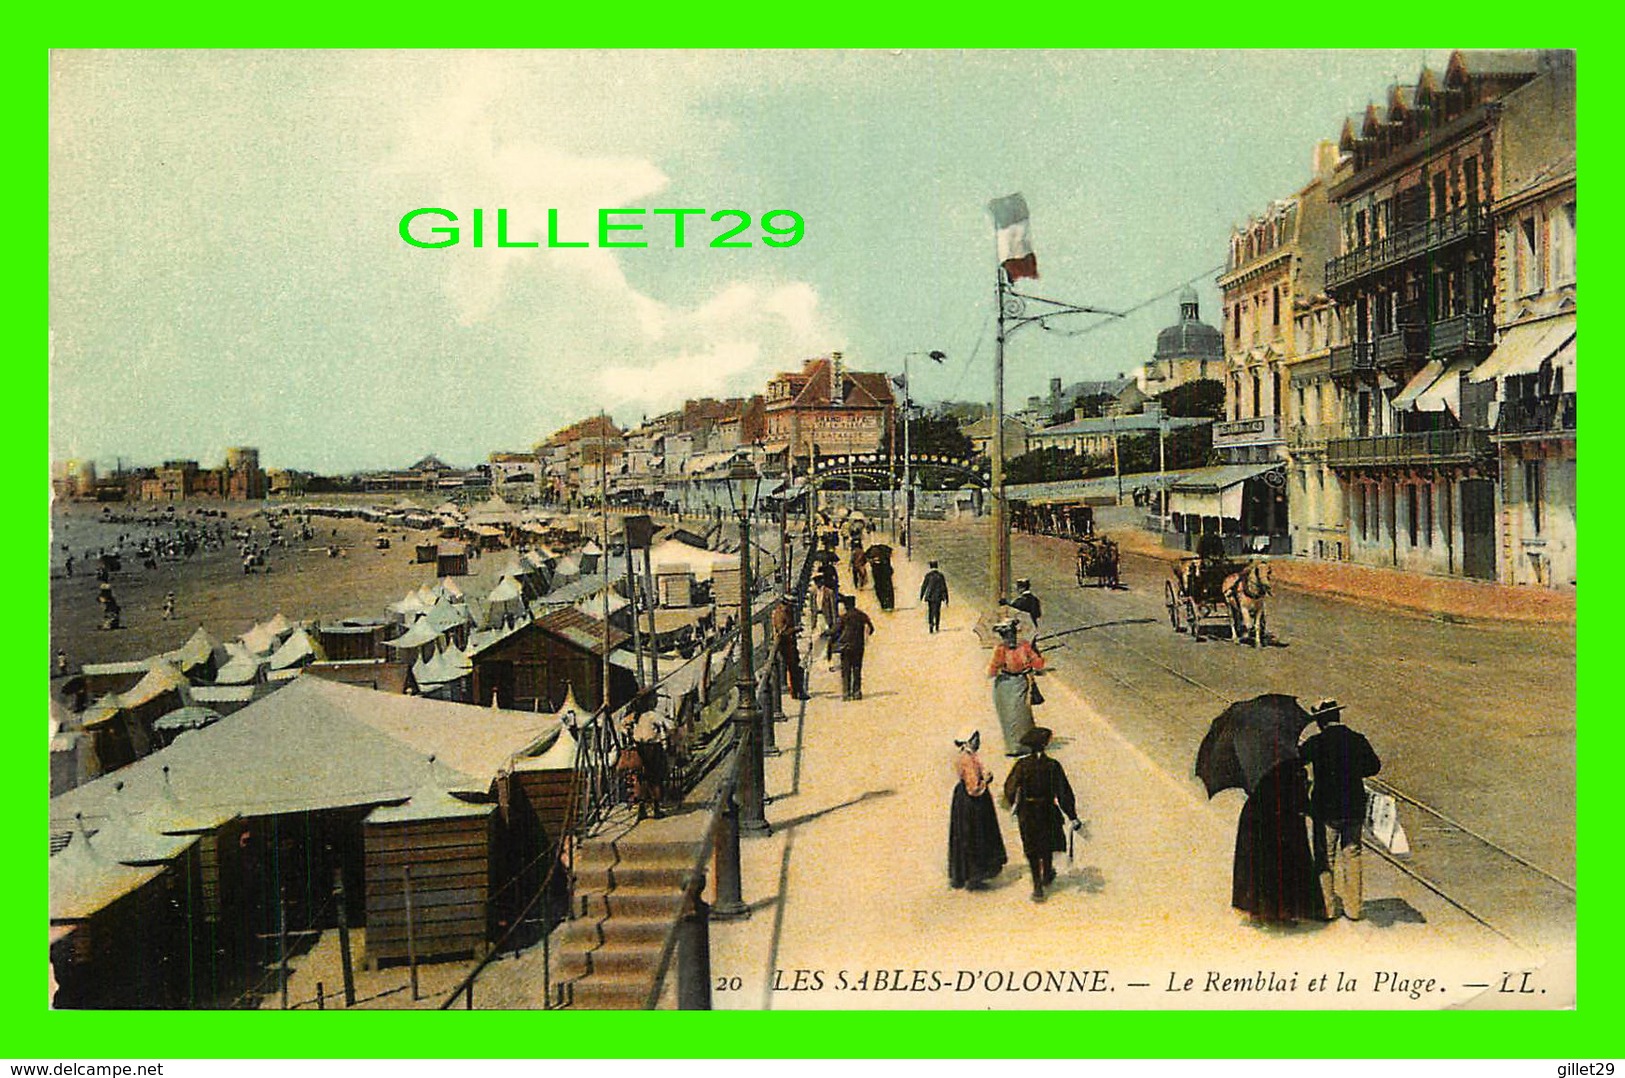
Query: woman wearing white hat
(975, 846)
(1015, 663)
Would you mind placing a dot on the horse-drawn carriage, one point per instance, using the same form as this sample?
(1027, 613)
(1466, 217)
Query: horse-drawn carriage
(1097, 562)
(1209, 587)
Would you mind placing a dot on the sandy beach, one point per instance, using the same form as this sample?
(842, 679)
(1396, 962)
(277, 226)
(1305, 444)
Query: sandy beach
(211, 589)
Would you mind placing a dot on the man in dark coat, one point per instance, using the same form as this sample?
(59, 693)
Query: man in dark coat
(851, 634)
(1342, 760)
(1026, 602)
(1042, 797)
(933, 593)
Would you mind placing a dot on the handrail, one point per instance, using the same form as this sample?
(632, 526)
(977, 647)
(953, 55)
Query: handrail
(466, 985)
(694, 882)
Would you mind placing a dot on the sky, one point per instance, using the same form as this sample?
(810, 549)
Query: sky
(226, 267)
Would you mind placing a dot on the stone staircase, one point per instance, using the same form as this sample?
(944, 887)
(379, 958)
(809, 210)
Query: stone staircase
(629, 894)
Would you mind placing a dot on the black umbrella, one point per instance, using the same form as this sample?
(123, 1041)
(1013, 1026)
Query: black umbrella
(878, 552)
(1248, 739)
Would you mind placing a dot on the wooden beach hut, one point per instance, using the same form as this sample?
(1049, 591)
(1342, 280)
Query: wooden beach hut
(429, 877)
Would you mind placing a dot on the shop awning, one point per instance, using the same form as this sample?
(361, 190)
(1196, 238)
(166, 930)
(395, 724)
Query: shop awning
(1525, 347)
(1424, 378)
(1445, 392)
(1214, 492)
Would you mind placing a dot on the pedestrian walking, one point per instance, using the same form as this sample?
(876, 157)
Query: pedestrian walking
(1340, 760)
(169, 606)
(933, 593)
(1038, 790)
(1273, 879)
(880, 570)
(859, 566)
(1026, 602)
(975, 846)
(1015, 664)
(851, 637)
(61, 663)
(787, 647)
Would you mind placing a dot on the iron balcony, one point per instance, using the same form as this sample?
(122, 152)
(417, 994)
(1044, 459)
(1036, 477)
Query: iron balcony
(1407, 243)
(1348, 360)
(1452, 336)
(1424, 447)
(1537, 415)
(1405, 347)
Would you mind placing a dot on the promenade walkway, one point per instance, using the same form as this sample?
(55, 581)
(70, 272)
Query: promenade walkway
(849, 893)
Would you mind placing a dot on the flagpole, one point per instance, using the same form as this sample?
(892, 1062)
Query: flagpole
(999, 572)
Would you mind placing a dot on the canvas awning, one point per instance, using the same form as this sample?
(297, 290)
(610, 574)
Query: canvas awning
(1424, 378)
(1214, 492)
(1525, 347)
(1445, 392)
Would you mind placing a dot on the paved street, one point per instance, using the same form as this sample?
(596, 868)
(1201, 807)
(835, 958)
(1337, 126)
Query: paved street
(1474, 720)
(853, 878)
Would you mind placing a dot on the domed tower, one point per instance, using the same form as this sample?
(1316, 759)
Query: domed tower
(1190, 337)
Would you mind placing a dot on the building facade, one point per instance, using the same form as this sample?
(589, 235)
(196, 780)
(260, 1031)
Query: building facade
(827, 406)
(1533, 368)
(1414, 285)
(1273, 281)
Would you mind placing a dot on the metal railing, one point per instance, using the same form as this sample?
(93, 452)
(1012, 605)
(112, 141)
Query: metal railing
(1424, 447)
(1407, 243)
(1450, 335)
(1537, 415)
(1400, 347)
(1352, 358)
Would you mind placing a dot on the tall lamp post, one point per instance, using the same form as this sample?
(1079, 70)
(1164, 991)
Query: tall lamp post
(908, 486)
(744, 483)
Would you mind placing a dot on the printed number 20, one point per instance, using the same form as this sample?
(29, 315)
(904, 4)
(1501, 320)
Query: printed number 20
(792, 232)
(729, 984)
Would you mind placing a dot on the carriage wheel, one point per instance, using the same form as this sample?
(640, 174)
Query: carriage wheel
(1173, 604)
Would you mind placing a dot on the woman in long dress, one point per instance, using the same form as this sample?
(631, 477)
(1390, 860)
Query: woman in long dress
(880, 569)
(1015, 662)
(975, 846)
(1274, 879)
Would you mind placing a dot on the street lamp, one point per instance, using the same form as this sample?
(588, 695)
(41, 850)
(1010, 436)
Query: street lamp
(908, 488)
(744, 483)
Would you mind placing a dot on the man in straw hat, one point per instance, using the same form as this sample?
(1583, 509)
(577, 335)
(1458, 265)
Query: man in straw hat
(1042, 797)
(1342, 760)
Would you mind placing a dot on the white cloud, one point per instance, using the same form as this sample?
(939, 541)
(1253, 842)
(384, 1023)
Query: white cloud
(667, 381)
(580, 300)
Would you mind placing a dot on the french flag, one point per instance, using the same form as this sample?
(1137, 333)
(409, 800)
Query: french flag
(1015, 246)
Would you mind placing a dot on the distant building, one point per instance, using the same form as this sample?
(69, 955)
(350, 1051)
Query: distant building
(1095, 436)
(827, 406)
(1187, 351)
(980, 433)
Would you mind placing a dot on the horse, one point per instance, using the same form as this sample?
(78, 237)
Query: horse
(1245, 593)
